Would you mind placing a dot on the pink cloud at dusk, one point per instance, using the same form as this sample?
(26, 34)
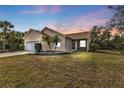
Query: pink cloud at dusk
(55, 9)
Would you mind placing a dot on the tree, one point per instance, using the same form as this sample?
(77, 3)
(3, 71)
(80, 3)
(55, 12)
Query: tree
(105, 38)
(15, 40)
(118, 41)
(100, 38)
(48, 39)
(94, 47)
(55, 40)
(95, 34)
(118, 18)
(6, 28)
(10, 40)
(1, 41)
(117, 21)
(95, 38)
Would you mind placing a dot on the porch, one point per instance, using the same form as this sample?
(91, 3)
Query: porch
(80, 44)
(80, 41)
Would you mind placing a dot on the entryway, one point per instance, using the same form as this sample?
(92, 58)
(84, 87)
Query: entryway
(80, 44)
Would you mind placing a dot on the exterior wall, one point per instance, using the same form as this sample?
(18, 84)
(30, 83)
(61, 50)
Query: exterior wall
(62, 42)
(33, 36)
(68, 44)
(88, 44)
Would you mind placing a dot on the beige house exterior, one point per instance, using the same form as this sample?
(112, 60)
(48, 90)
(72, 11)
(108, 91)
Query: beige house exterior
(68, 42)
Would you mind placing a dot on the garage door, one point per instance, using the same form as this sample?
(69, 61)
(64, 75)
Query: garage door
(30, 46)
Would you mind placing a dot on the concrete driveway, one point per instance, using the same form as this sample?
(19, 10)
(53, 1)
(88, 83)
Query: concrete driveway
(14, 53)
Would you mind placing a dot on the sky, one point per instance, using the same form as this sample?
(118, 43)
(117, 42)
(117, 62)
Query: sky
(64, 18)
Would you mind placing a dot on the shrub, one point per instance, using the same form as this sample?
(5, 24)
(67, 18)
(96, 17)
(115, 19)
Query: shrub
(7, 46)
(107, 45)
(121, 46)
(38, 47)
(93, 47)
(21, 47)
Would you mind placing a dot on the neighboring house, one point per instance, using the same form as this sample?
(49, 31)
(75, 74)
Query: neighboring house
(68, 42)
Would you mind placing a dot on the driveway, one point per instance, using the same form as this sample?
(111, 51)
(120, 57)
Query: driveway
(13, 53)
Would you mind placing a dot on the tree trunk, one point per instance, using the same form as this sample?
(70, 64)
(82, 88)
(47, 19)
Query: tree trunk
(3, 46)
(55, 47)
(49, 47)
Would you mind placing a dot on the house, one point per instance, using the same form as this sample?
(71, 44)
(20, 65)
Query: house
(68, 41)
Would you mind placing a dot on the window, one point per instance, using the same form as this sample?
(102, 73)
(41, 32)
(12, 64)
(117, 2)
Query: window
(82, 43)
(58, 44)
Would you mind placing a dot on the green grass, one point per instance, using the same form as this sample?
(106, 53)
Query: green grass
(79, 69)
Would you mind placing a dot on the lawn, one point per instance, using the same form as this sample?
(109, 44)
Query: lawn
(79, 69)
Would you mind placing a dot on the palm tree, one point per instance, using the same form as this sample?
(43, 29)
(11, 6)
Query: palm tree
(6, 27)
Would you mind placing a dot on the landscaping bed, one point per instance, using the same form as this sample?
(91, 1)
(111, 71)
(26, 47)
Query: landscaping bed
(49, 53)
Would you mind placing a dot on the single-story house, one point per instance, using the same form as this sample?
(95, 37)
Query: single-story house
(68, 41)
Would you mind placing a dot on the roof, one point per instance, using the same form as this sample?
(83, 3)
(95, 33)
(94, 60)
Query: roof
(51, 30)
(76, 33)
(31, 30)
(42, 32)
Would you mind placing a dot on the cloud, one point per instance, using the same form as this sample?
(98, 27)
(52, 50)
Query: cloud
(32, 12)
(55, 9)
(42, 9)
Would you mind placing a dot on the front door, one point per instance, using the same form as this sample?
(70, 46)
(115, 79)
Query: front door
(82, 44)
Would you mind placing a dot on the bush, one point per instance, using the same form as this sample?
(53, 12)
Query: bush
(38, 47)
(7, 46)
(107, 45)
(121, 46)
(93, 47)
(21, 47)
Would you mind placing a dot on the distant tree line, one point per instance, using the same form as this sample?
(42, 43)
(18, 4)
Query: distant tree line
(10, 40)
(101, 37)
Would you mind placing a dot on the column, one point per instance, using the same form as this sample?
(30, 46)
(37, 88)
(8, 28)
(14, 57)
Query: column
(76, 44)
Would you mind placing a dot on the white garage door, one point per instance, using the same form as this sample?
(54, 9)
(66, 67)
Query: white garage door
(30, 46)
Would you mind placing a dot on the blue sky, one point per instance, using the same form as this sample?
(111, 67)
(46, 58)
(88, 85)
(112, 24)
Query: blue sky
(64, 18)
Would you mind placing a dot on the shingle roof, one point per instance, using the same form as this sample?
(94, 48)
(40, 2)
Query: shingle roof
(51, 30)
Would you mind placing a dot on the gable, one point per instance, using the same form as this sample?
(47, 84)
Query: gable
(33, 35)
(50, 32)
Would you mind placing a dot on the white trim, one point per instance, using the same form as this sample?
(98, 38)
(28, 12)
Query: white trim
(76, 45)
